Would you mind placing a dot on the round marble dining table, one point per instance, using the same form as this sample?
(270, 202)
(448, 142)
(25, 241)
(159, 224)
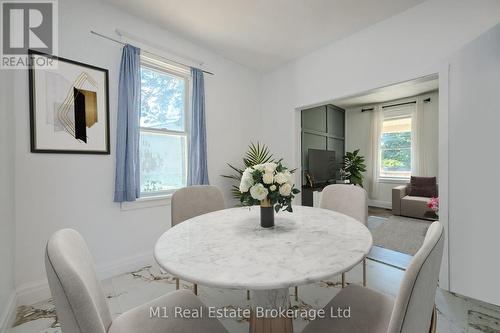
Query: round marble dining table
(229, 249)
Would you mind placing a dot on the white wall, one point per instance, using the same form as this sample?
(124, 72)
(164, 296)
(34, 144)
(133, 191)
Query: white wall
(58, 191)
(415, 43)
(474, 163)
(7, 227)
(49, 196)
(358, 136)
(410, 45)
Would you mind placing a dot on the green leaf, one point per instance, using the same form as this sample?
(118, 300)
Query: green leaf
(256, 154)
(354, 167)
(235, 177)
(235, 169)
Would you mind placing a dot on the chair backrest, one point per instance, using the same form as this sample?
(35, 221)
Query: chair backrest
(415, 301)
(80, 303)
(192, 201)
(346, 199)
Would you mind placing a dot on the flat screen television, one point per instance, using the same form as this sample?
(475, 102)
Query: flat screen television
(321, 165)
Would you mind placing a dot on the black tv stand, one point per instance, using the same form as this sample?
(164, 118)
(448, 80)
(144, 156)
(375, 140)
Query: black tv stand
(308, 191)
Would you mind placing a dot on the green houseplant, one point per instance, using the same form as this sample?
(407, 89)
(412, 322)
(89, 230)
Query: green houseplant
(354, 166)
(256, 154)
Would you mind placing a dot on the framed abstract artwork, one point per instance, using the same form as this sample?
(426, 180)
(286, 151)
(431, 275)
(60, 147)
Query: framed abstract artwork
(69, 106)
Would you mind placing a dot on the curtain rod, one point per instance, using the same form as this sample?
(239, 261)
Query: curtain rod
(427, 100)
(399, 104)
(151, 53)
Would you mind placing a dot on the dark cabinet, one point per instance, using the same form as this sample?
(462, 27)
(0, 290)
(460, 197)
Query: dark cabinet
(323, 127)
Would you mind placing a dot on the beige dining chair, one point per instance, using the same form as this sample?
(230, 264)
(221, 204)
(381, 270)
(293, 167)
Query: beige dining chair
(192, 201)
(413, 311)
(81, 306)
(349, 200)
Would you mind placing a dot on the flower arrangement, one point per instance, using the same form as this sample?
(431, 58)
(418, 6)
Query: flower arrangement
(256, 154)
(433, 204)
(268, 184)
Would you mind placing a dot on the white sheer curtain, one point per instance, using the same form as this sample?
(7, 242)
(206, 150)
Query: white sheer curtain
(376, 131)
(419, 156)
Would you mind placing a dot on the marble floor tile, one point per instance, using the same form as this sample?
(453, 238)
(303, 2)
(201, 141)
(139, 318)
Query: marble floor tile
(456, 314)
(138, 287)
(37, 318)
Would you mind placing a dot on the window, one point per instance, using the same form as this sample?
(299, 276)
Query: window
(395, 148)
(163, 127)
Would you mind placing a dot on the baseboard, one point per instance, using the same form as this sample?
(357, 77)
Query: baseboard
(380, 204)
(37, 291)
(7, 318)
(117, 267)
(33, 292)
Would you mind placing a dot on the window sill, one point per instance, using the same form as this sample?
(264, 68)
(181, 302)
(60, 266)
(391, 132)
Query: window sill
(394, 180)
(147, 202)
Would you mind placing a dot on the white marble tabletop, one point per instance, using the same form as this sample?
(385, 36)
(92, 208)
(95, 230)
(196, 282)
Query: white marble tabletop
(229, 249)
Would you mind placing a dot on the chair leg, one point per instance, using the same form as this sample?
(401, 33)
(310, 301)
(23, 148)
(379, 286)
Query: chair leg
(364, 272)
(195, 289)
(343, 280)
(296, 293)
(177, 283)
(248, 295)
(432, 328)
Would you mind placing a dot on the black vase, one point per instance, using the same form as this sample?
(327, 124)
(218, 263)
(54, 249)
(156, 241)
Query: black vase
(266, 217)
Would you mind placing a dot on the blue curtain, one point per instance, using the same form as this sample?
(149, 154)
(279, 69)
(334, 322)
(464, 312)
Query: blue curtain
(127, 177)
(197, 164)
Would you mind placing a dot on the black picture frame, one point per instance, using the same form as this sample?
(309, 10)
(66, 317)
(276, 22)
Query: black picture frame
(32, 101)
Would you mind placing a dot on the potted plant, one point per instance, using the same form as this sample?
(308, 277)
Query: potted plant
(354, 166)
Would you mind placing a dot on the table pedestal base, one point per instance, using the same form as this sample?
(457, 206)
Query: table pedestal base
(266, 304)
(270, 325)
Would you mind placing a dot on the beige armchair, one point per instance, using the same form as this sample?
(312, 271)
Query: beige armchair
(407, 205)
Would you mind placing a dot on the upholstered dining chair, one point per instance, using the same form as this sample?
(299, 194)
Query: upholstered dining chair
(81, 305)
(413, 311)
(192, 201)
(349, 200)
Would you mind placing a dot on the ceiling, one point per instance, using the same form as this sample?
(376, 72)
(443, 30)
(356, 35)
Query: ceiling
(263, 34)
(390, 93)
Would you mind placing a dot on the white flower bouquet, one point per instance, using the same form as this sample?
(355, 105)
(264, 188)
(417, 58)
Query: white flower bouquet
(269, 184)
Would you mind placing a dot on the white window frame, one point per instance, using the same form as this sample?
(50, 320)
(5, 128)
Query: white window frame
(394, 116)
(184, 73)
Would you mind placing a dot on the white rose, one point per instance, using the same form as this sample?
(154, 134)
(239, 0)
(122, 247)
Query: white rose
(270, 167)
(285, 189)
(246, 180)
(245, 185)
(280, 178)
(268, 178)
(272, 188)
(248, 170)
(258, 192)
(289, 177)
(259, 167)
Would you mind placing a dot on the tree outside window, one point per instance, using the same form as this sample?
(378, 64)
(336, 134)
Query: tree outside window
(395, 148)
(163, 133)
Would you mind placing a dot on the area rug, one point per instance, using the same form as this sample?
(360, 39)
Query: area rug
(398, 233)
